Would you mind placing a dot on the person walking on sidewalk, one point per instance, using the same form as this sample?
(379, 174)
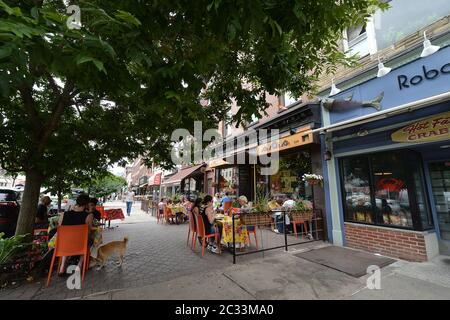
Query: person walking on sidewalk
(129, 198)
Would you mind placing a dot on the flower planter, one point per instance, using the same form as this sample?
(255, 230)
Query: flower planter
(256, 218)
(306, 215)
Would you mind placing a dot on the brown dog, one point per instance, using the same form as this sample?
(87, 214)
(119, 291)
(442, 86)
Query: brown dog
(107, 250)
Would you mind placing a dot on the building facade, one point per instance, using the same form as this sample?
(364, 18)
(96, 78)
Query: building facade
(387, 137)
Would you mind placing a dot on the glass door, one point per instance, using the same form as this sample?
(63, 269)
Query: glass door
(440, 183)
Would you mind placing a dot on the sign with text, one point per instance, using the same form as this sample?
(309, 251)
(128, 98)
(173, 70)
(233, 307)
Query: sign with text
(292, 141)
(435, 128)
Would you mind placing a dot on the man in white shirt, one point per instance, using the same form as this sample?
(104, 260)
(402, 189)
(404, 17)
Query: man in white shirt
(129, 198)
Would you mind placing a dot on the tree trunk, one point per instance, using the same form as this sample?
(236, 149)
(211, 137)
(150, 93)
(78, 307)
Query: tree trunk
(30, 202)
(59, 200)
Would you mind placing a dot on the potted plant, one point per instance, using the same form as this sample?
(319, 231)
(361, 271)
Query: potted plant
(260, 212)
(16, 258)
(302, 211)
(313, 179)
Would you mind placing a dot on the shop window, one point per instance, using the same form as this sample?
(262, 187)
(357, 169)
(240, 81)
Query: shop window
(385, 189)
(288, 179)
(356, 190)
(440, 182)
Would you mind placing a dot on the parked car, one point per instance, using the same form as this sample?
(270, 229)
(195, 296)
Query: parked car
(9, 211)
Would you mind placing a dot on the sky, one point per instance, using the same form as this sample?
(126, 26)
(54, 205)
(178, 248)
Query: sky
(117, 170)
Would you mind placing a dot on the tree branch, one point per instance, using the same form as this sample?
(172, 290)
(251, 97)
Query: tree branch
(30, 107)
(61, 103)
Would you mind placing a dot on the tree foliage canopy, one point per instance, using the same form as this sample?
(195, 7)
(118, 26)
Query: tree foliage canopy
(104, 185)
(137, 70)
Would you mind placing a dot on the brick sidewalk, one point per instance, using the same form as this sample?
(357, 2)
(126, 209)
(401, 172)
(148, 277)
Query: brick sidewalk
(156, 253)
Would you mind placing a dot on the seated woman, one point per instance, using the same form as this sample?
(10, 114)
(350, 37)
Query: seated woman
(41, 220)
(78, 215)
(207, 213)
(91, 209)
(245, 208)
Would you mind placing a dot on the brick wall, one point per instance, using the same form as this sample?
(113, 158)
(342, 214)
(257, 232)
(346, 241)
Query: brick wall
(406, 245)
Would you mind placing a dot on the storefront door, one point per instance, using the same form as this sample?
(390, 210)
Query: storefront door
(440, 183)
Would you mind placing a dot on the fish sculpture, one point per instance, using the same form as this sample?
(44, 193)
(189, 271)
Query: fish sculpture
(340, 105)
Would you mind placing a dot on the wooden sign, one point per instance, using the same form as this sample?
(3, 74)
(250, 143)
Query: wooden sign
(217, 163)
(435, 128)
(292, 141)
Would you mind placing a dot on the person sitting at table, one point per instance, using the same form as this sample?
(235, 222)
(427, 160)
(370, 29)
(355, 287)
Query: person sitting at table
(224, 199)
(91, 208)
(41, 220)
(217, 201)
(78, 215)
(208, 215)
(280, 199)
(246, 208)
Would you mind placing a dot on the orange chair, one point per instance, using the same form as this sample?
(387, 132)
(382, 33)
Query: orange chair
(254, 233)
(71, 241)
(193, 229)
(302, 223)
(167, 214)
(202, 234)
(227, 207)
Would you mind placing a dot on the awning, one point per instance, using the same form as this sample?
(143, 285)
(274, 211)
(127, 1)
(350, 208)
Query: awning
(379, 115)
(183, 174)
(155, 179)
(217, 163)
(291, 141)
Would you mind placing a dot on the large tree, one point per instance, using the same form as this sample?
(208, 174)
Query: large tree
(136, 70)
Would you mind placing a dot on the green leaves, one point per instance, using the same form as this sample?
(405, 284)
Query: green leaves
(11, 247)
(80, 59)
(127, 17)
(11, 11)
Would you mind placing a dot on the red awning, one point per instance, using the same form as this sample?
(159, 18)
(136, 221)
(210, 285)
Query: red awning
(183, 174)
(155, 179)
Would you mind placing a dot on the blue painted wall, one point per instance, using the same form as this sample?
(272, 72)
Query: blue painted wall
(393, 96)
(382, 138)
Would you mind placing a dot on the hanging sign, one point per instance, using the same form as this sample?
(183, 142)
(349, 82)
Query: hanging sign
(292, 141)
(435, 128)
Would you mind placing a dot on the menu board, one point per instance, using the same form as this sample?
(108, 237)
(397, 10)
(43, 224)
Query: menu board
(244, 182)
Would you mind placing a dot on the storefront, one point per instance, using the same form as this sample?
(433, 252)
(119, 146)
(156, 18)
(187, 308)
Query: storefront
(188, 181)
(388, 174)
(154, 186)
(299, 153)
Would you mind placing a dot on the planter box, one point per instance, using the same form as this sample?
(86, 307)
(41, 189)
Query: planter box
(301, 215)
(256, 218)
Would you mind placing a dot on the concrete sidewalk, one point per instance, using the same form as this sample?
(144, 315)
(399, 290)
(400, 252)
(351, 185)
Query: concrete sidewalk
(285, 276)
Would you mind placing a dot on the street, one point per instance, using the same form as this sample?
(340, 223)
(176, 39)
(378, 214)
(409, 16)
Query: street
(158, 265)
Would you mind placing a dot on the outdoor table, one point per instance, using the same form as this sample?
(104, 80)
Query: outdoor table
(113, 214)
(179, 212)
(241, 233)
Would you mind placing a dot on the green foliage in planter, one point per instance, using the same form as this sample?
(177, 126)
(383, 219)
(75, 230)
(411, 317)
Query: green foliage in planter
(12, 247)
(261, 204)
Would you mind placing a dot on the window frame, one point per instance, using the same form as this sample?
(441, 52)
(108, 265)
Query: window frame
(369, 36)
(417, 223)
